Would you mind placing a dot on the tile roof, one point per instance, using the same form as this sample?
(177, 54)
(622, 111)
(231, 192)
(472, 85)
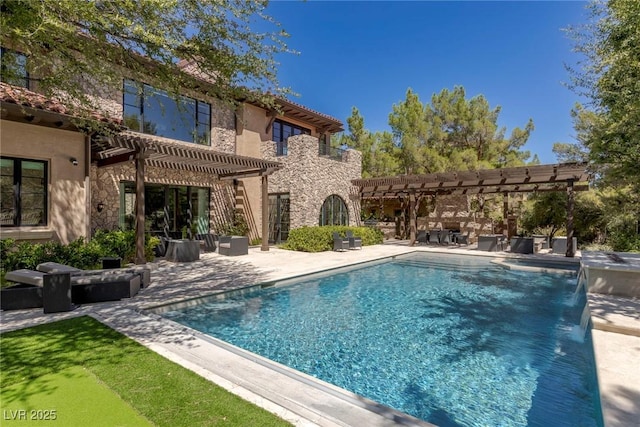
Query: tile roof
(27, 98)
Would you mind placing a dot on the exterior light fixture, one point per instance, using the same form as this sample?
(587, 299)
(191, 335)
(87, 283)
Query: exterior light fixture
(100, 207)
(73, 161)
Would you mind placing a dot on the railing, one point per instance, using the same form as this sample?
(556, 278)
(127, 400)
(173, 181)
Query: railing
(331, 152)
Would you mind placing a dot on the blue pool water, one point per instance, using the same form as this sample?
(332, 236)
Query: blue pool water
(453, 341)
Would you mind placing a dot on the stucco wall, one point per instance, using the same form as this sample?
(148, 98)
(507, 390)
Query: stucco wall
(67, 216)
(310, 178)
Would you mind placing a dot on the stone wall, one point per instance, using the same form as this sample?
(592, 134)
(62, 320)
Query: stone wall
(454, 212)
(310, 178)
(451, 212)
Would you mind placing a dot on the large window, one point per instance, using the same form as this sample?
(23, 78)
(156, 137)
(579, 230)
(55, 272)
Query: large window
(334, 211)
(167, 208)
(23, 187)
(13, 68)
(153, 111)
(282, 131)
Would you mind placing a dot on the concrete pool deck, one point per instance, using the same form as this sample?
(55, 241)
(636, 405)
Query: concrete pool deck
(299, 398)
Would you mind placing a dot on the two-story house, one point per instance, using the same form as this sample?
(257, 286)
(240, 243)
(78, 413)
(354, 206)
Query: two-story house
(194, 160)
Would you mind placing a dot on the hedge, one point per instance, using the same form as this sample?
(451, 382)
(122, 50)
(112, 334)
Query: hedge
(79, 254)
(318, 239)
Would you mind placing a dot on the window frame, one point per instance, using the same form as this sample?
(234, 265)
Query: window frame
(25, 81)
(200, 117)
(17, 195)
(330, 202)
(172, 196)
(278, 128)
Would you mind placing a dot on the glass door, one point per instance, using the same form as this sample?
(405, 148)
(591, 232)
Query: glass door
(279, 217)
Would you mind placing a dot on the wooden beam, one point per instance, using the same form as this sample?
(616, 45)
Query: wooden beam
(265, 214)
(120, 158)
(571, 251)
(412, 218)
(140, 256)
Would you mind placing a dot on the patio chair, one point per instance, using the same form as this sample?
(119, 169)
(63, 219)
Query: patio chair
(233, 245)
(463, 239)
(161, 248)
(354, 241)
(445, 237)
(340, 243)
(422, 237)
(434, 236)
(209, 241)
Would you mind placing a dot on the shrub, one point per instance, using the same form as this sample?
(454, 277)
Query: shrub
(79, 254)
(122, 244)
(318, 239)
(237, 227)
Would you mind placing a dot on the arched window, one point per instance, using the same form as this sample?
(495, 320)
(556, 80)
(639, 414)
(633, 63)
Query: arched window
(334, 211)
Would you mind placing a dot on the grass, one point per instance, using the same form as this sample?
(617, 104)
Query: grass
(87, 372)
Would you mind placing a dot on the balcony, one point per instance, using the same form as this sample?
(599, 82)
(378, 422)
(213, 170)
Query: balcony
(330, 152)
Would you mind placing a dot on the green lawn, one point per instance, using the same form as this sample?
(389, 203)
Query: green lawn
(81, 372)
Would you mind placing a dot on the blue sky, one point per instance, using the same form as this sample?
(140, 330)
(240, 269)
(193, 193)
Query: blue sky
(367, 54)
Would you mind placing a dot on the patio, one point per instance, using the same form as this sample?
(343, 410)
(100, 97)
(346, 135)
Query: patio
(297, 397)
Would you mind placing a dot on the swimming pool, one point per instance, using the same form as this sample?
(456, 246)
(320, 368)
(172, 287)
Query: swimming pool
(453, 341)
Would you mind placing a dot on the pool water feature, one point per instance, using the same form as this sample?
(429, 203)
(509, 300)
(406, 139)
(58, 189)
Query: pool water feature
(453, 341)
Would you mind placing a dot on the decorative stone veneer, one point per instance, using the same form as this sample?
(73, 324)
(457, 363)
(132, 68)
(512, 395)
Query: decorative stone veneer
(455, 210)
(223, 140)
(441, 212)
(310, 178)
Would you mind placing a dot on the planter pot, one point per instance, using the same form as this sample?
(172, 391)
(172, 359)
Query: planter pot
(559, 245)
(522, 245)
(490, 242)
(183, 250)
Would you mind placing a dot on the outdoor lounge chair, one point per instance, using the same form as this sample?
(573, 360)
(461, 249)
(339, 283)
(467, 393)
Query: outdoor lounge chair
(354, 241)
(109, 285)
(104, 287)
(340, 243)
(35, 289)
(54, 267)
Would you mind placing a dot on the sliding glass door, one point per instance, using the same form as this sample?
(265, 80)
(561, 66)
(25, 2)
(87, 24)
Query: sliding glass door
(169, 210)
(279, 217)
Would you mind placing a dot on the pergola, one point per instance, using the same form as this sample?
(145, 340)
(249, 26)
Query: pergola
(169, 154)
(569, 177)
